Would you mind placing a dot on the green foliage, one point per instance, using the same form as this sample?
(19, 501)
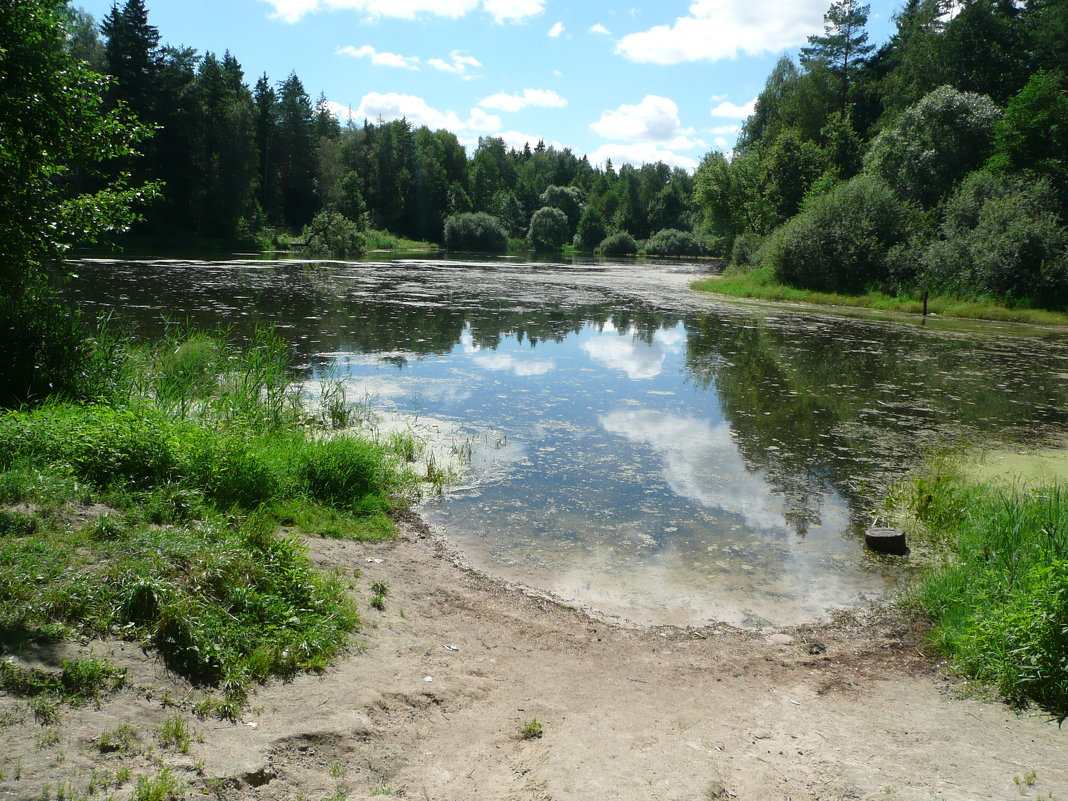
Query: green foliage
(333, 235)
(570, 200)
(343, 471)
(1000, 603)
(671, 242)
(620, 244)
(934, 144)
(476, 232)
(549, 229)
(840, 241)
(532, 730)
(53, 122)
(1000, 237)
(789, 166)
(77, 682)
(164, 786)
(843, 47)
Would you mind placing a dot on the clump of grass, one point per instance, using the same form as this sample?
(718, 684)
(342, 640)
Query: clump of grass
(164, 786)
(1000, 601)
(176, 734)
(78, 680)
(121, 739)
(532, 730)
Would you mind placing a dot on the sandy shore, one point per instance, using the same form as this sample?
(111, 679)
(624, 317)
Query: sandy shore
(429, 702)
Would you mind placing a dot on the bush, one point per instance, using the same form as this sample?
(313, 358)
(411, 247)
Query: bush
(621, 244)
(839, 244)
(333, 235)
(478, 231)
(591, 229)
(672, 242)
(1000, 238)
(343, 471)
(549, 229)
(934, 144)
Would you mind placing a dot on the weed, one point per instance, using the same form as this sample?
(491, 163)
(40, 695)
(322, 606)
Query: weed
(1027, 780)
(78, 681)
(121, 739)
(379, 602)
(16, 524)
(380, 588)
(382, 789)
(336, 769)
(175, 734)
(161, 787)
(532, 730)
(48, 738)
(45, 710)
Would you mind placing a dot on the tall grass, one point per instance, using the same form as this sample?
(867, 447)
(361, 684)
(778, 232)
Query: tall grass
(999, 603)
(203, 450)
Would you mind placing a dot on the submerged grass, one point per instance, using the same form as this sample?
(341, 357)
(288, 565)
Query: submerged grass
(999, 600)
(201, 455)
(761, 285)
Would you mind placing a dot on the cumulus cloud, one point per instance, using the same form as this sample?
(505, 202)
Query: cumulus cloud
(640, 153)
(655, 119)
(541, 98)
(458, 63)
(556, 31)
(718, 29)
(394, 106)
(518, 367)
(599, 28)
(727, 109)
(380, 59)
(502, 11)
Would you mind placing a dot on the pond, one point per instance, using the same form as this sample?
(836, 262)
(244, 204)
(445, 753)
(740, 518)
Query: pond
(632, 446)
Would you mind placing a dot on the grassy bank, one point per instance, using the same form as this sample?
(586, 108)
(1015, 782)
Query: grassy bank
(998, 599)
(166, 511)
(762, 286)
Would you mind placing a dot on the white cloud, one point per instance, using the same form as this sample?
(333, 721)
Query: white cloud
(380, 59)
(394, 106)
(725, 130)
(718, 29)
(717, 98)
(458, 64)
(655, 119)
(599, 28)
(501, 10)
(556, 31)
(541, 98)
(513, 10)
(640, 153)
(727, 109)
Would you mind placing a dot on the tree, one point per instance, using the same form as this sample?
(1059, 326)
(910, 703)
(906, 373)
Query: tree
(843, 46)
(295, 154)
(53, 122)
(934, 144)
(549, 229)
(133, 57)
(569, 199)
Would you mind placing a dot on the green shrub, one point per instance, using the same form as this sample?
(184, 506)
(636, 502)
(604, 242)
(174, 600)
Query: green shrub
(1000, 237)
(549, 229)
(621, 244)
(672, 242)
(475, 231)
(841, 241)
(332, 235)
(591, 229)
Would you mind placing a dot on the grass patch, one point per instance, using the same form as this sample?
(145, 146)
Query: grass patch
(384, 240)
(760, 285)
(202, 455)
(532, 730)
(77, 682)
(999, 601)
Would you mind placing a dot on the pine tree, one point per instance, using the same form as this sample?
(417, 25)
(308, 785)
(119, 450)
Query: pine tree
(843, 46)
(133, 57)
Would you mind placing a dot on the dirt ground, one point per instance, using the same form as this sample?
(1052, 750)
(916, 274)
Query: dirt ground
(430, 701)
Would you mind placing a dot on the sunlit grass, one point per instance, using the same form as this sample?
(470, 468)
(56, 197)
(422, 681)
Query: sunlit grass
(761, 286)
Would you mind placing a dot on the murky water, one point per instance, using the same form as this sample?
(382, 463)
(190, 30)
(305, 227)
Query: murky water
(633, 446)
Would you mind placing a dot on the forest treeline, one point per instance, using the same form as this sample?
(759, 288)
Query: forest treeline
(934, 162)
(240, 157)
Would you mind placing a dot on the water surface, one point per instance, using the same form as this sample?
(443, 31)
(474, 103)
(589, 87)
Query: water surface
(633, 446)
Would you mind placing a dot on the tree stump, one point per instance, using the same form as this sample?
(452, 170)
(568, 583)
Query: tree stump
(886, 540)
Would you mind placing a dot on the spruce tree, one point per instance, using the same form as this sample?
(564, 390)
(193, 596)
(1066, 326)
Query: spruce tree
(843, 46)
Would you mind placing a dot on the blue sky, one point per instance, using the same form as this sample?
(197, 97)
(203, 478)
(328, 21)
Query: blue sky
(666, 80)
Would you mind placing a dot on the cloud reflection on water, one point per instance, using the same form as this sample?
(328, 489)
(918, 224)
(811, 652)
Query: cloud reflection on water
(639, 360)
